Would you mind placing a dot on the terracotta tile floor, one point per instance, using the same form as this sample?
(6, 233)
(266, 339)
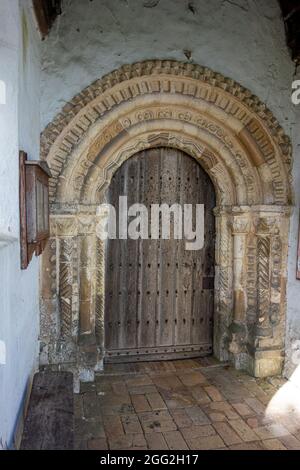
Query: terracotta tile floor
(186, 404)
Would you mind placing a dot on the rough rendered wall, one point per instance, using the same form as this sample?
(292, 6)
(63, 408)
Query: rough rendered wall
(19, 128)
(293, 292)
(243, 39)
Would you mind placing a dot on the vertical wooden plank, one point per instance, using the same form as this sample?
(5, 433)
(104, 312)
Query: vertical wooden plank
(129, 261)
(23, 218)
(158, 294)
(209, 256)
(203, 305)
(148, 255)
(167, 251)
(122, 319)
(185, 260)
(112, 287)
(198, 335)
(49, 423)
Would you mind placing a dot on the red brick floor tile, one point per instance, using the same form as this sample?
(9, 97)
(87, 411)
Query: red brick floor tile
(141, 389)
(271, 430)
(180, 398)
(222, 407)
(247, 446)
(175, 440)
(206, 443)
(139, 442)
(171, 382)
(291, 421)
(194, 432)
(131, 424)
(200, 395)
(226, 432)
(290, 442)
(140, 403)
(192, 378)
(213, 393)
(243, 430)
(256, 405)
(113, 426)
(258, 421)
(120, 442)
(119, 388)
(157, 421)
(181, 418)
(156, 402)
(156, 441)
(197, 415)
(273, 444)
(216, 417)
(243, 409)
(139, 381)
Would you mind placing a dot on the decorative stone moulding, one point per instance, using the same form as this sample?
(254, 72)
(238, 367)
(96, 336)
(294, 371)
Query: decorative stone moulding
(247, 155)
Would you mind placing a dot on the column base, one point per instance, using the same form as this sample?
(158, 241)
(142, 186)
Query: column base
(265, 363)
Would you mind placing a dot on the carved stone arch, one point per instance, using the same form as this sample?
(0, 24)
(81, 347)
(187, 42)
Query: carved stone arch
(222, 178)
(240, 144)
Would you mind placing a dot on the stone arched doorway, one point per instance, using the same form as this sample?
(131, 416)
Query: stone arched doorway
(159, 294)
(245, 152)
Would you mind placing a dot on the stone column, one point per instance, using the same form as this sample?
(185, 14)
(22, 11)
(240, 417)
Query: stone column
(223, 283)
(49, 318)
(61, 262)
(87, 275)
(260, 240)
(241, 226)
(271, 229)
(100, 225)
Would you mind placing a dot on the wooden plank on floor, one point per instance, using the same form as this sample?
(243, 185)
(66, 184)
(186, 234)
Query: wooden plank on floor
(49, 424)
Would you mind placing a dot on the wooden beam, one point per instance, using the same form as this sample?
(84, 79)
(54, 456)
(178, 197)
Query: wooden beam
(46, 11)
(291, 17)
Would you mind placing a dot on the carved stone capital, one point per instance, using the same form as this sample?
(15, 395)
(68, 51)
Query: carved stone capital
(241, 224)
(66, 225)
(86, 224)
(266, 226)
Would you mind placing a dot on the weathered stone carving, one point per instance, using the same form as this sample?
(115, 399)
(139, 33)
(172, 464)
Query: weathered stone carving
(263, 284)
(238, 142)
(65, 286)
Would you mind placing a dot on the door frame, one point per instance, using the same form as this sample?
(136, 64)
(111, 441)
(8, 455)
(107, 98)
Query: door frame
(149, 353)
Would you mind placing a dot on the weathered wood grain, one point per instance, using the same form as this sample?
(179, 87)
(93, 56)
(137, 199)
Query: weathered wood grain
(159, 296)
(49, 424)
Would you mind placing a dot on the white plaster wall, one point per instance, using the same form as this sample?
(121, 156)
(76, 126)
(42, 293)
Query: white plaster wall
(19, 128)
(243, 39)
(293, 290)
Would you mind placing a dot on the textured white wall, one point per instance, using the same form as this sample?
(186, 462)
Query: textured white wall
(19, 128)
(243, 39)
(93, 38)
(293, 288)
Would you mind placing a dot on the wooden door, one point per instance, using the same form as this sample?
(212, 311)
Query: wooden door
(158, 295)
